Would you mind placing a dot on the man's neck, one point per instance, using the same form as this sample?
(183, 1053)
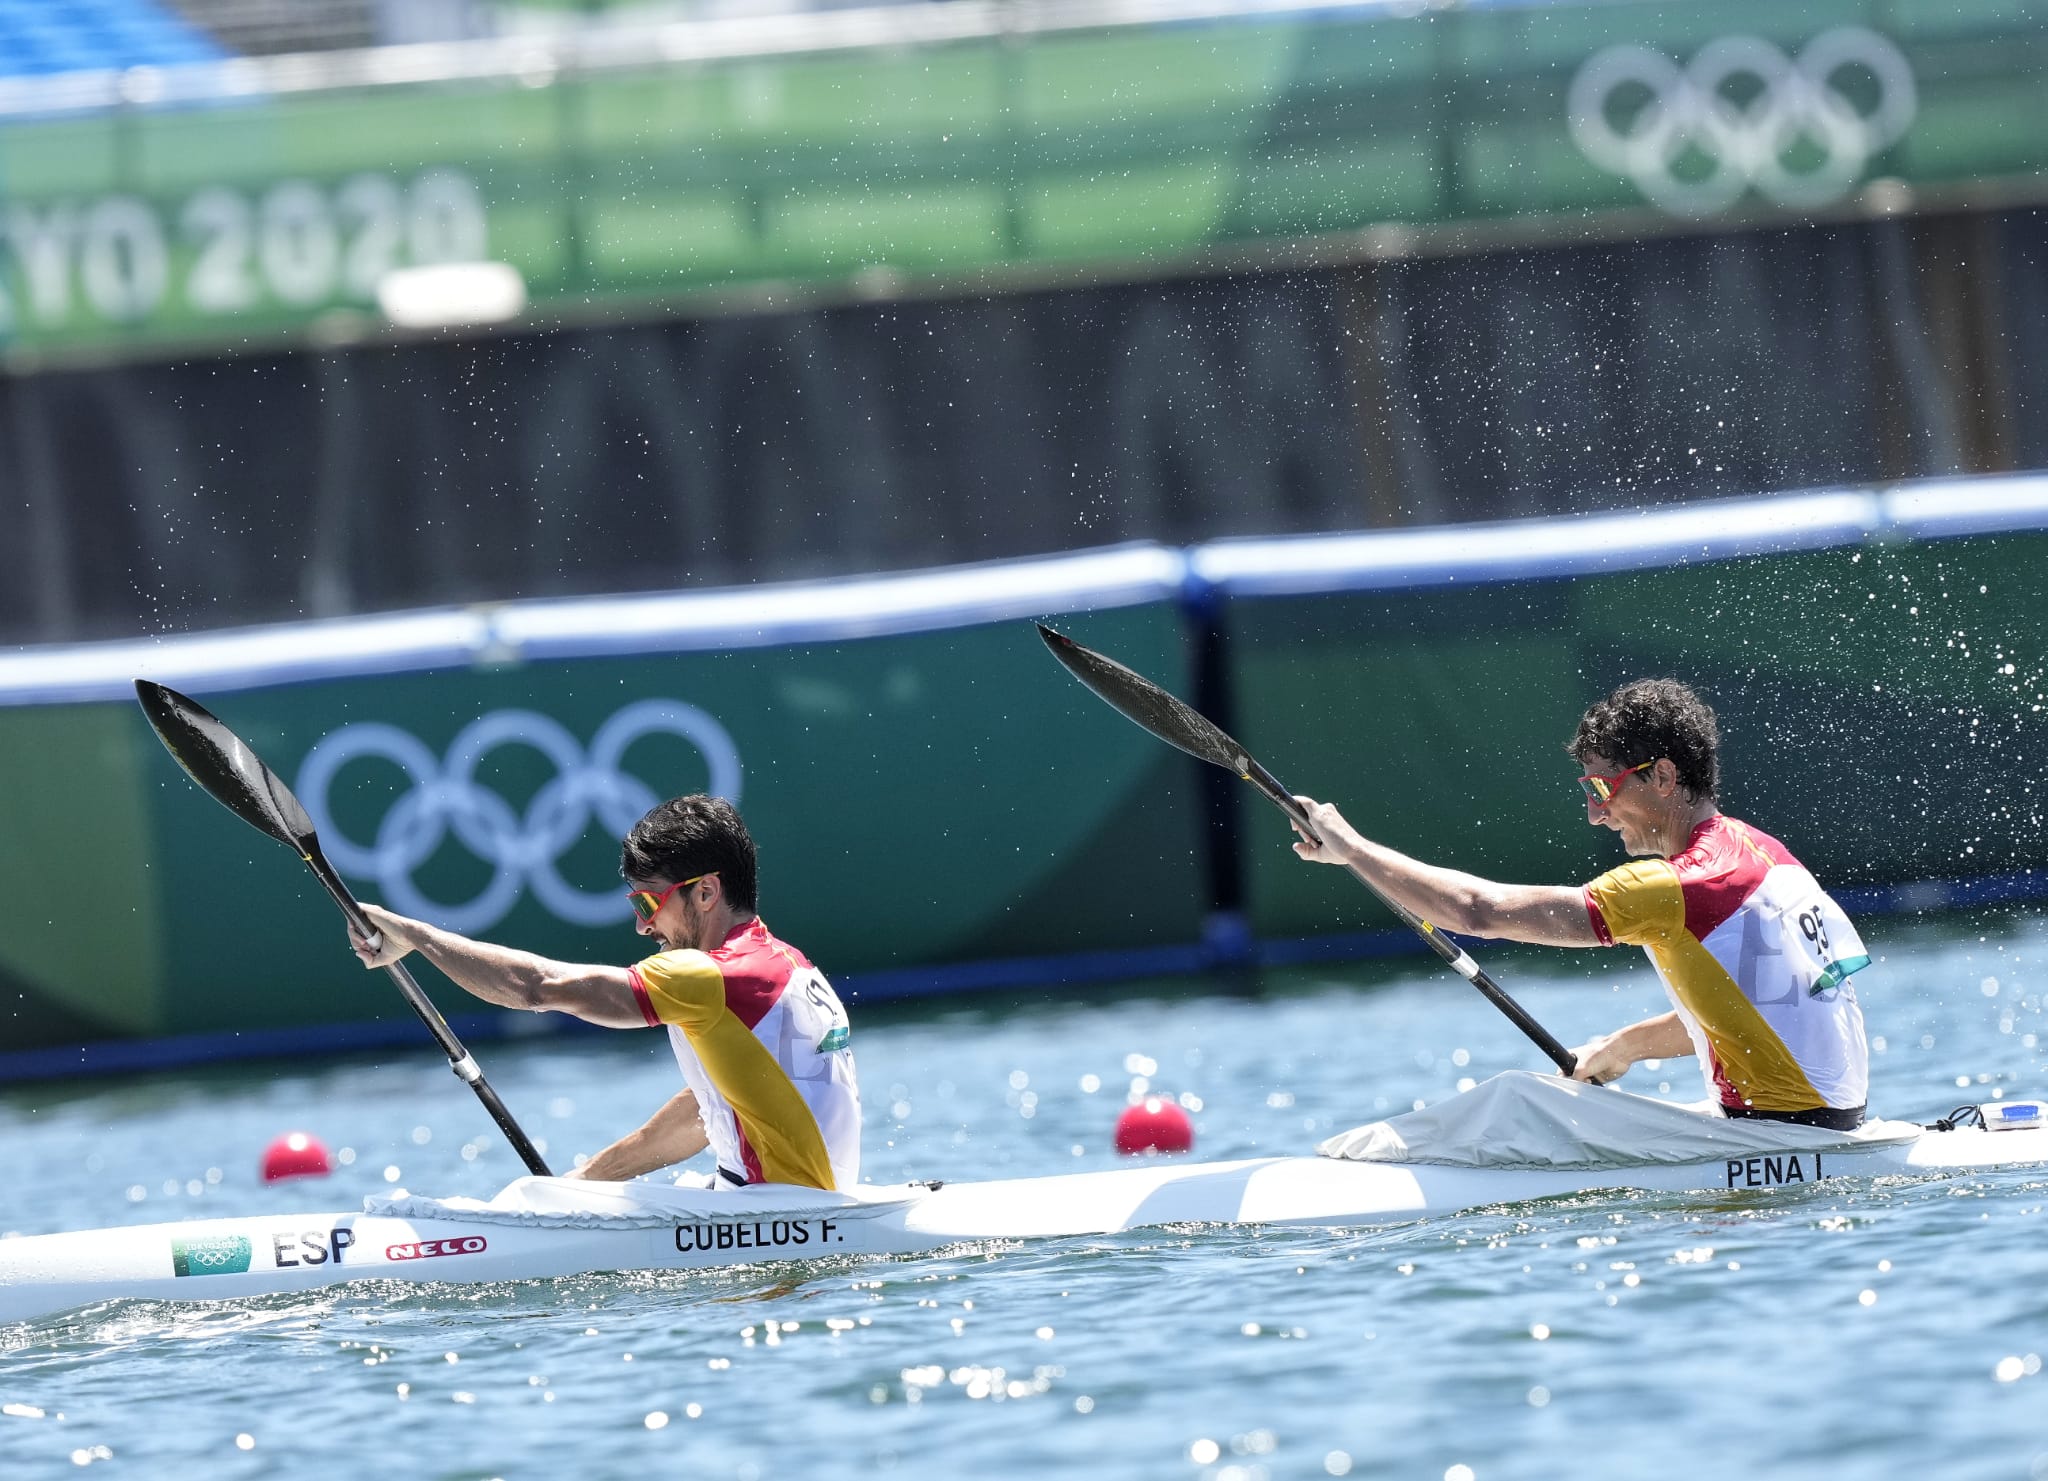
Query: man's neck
(721, 923)
(1684, 823)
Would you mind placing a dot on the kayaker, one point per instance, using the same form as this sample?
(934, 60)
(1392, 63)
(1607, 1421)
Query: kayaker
(1755, 955)
(758, 1032)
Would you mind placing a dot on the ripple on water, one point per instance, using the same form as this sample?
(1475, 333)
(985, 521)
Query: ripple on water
(1885, 1328)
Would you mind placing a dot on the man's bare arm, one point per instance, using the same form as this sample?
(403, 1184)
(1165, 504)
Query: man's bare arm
(1546, 915)
(501, 975)
(673, 1134)
(1609, 1056)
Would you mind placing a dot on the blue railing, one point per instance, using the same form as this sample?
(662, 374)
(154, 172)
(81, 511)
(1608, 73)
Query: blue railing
(1201, 580)
(1008, 591)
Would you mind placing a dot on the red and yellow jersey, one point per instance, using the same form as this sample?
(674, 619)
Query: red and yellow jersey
(762, 1039)
(1756, 958)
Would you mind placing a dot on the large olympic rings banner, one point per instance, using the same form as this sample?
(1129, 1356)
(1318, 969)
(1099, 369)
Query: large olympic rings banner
(1148, 134)
(1800, 128)
(908, 805)
(446, 802)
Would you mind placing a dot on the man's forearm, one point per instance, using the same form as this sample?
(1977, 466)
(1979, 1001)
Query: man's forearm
(1427, 890)
(1457, 901)
(498, 974)
(1608, 1057)
(1662, 1037)
(673, 1134)
(1548, 915)
(504, 976)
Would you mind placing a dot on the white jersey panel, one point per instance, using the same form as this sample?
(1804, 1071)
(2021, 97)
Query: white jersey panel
(808, 1035)
(1791, 950)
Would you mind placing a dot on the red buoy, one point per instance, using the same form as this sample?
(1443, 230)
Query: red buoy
(295, 1155)
(1155, 1124)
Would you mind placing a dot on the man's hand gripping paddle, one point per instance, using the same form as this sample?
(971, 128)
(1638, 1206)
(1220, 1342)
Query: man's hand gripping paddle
(235, 776)
(1145, 704)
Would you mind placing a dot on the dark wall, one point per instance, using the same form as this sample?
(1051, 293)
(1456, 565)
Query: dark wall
(162, 497)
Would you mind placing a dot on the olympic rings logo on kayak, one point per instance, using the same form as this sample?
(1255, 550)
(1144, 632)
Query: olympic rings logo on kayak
(1794, 105)
(445, 797)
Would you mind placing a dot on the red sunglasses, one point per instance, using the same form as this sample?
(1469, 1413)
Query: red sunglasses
(1602, 788)
(647, 904)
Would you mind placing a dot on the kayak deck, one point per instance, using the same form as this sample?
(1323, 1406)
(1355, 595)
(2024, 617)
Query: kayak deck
(543, 1228)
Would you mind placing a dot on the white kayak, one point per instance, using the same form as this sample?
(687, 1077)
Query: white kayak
(546, 1227)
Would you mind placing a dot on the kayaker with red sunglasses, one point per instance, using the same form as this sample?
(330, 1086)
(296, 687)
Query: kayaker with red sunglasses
(758, 1033)
(1755, 956)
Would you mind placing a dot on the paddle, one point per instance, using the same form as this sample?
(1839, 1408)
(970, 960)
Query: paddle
(1144, 703)
(235, 776)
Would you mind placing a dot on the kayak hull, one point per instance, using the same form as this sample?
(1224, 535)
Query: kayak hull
(216, 1259)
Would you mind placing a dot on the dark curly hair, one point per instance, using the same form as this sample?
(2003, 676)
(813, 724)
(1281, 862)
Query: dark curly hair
(1650, 719)
(685, 836)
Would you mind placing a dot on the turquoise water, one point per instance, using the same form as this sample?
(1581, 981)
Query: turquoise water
(1891, 1329)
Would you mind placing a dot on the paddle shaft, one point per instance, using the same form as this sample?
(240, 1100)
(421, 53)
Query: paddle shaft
(228, 771)
(460, 1059)
(1455, 956)
(1153, 710)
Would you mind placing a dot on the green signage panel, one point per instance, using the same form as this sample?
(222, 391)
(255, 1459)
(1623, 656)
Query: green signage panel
(1882, 710)
(919, 799)
(903, 163)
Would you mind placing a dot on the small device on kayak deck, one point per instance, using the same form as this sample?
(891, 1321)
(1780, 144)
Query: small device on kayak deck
(2007, 1115)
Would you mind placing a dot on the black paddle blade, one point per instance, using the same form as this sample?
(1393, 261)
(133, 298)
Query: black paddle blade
(1144, 703)
(219, 760)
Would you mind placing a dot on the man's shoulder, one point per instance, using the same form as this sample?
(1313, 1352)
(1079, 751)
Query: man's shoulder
(671, 965)
(753, 947)
(678, 956)
(1636, 874)
(1729, 865)
(1723, 845)
(1637, 903)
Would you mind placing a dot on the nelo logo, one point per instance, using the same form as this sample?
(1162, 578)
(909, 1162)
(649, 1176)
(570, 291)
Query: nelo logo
(427, 1249)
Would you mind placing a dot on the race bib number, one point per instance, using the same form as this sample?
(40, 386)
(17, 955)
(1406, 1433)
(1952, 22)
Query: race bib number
(820, 1016)
(1801, 947)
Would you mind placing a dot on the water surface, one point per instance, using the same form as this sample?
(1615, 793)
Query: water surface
(1875, 1329)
